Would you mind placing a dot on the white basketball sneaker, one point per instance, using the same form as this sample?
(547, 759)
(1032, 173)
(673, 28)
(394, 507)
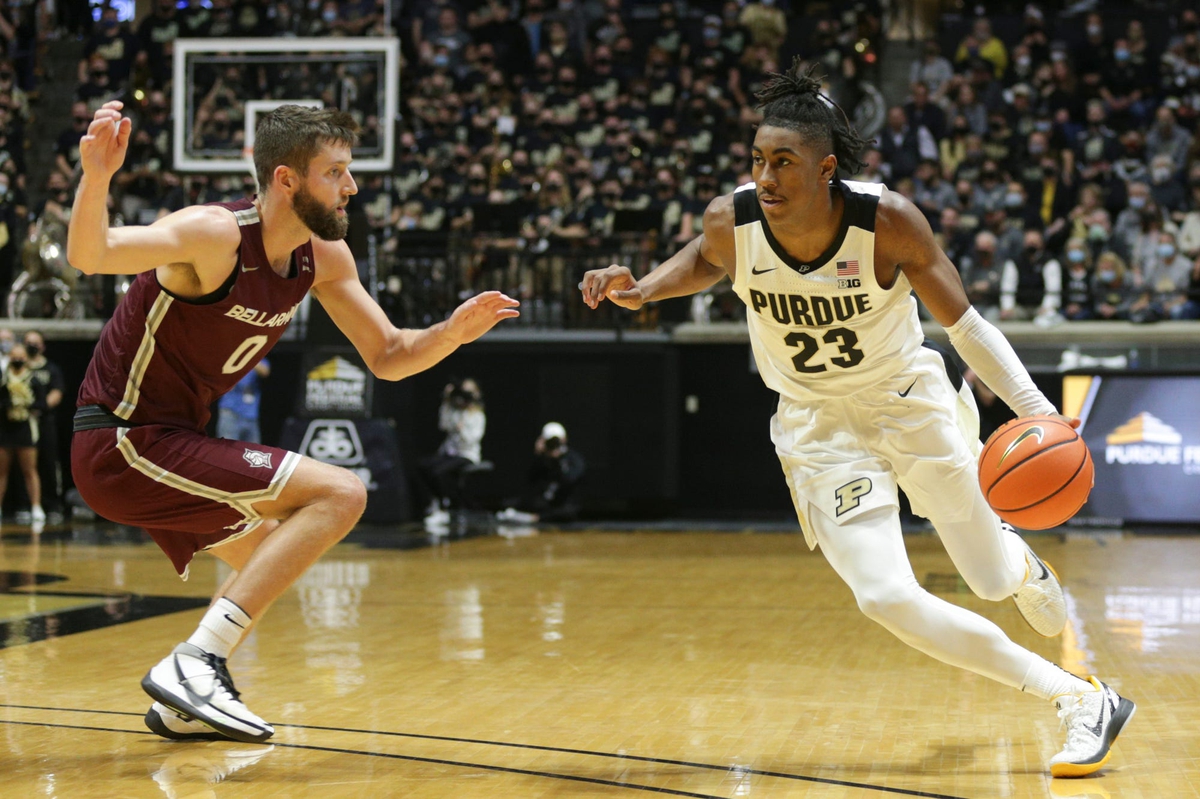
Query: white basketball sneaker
(168, 723)
(196, 684)
(1040, 597)
(1093, 720)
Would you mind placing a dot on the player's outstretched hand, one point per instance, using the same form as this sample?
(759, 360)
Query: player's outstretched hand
(480, 314)
(616, 283)
(102, 148)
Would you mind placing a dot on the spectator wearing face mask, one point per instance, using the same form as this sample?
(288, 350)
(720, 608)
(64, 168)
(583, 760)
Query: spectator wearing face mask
(1020, 212)
(981, 271)
(1078, 299)
(115, 44)
(1143, 246)
(1054, 196)
(1095, 52)
(21, 402)
(981, 43)
(1128, 225)
(932, 69)
(1169, 139)
(1090, 200)
(1125, 87)
(49, 376)
(1164, 289)
(1165, 188)
(1112, 287)
(1031, 284)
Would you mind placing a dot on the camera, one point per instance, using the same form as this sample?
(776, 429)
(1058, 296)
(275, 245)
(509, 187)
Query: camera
(462, 395)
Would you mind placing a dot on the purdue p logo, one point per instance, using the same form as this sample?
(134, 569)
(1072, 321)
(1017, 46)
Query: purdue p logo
(849, 493)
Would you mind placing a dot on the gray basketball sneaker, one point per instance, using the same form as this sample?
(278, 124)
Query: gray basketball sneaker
(196, 684)
(1093, 720)
(1040, 599)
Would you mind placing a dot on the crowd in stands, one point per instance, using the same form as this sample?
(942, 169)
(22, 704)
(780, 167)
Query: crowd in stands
(1057, 165)
(1053, 156)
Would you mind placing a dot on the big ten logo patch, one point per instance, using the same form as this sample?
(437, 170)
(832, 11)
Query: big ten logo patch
(336, 441)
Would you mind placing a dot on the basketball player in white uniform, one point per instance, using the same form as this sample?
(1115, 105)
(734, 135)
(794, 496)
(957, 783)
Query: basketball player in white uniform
(826, 268)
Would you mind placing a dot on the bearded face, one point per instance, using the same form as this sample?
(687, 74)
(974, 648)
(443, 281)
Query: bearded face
(326, 223)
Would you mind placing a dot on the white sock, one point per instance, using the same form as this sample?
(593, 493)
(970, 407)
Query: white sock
(221, 628)
(1045, 680)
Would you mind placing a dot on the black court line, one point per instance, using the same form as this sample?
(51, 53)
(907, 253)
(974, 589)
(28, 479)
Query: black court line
(412, 758)
(538, 748)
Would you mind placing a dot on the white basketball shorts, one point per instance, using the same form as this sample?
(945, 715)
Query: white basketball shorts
(914, 430)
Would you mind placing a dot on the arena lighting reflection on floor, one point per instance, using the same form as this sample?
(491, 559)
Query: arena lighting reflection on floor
(1150, 617)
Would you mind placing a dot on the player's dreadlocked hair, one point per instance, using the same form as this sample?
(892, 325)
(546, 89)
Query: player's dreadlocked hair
(794, 101)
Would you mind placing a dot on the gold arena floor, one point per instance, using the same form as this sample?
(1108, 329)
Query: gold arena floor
(588, 664)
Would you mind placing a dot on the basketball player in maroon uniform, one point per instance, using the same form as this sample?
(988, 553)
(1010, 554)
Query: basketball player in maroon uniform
(216, 286)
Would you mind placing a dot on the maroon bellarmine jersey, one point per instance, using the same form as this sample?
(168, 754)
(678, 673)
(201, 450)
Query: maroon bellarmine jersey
(165, 360)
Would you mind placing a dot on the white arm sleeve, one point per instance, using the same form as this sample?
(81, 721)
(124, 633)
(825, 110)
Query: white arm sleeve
(988, 353)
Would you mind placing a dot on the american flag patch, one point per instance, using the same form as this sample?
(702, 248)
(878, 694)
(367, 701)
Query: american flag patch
(847, 268)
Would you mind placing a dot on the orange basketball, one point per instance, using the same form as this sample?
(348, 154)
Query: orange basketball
(1036, 472)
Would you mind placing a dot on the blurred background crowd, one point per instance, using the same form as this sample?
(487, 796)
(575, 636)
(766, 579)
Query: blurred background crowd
(1051, 146)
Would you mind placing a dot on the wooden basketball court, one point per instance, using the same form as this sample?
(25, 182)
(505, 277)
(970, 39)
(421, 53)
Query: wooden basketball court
(588, 664)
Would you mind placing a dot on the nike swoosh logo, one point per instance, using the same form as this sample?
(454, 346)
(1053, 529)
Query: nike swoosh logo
(1032, 432)
(196, 699)
(755, 271)
(1099, 725)
(229, 619)
(904, 393)
(248, 269)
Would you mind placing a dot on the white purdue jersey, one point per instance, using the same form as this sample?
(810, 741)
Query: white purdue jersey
(822, 329)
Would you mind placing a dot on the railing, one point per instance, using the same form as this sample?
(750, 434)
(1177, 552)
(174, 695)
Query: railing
(421, 278)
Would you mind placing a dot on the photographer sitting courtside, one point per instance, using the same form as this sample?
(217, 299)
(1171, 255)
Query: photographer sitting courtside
(461, 417)
(555, 473)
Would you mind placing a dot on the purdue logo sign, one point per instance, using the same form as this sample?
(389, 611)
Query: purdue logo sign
(1146, 440)
(336, 386)
(336, 441)
(333, 441)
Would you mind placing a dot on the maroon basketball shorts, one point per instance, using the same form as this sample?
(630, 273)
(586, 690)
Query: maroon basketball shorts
(189, 491)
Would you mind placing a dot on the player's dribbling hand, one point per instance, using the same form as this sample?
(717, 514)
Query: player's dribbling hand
(480, 314)
(102, 148)
(615, 283)
(1071, 420)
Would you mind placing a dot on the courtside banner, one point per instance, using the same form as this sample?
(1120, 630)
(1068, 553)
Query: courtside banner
(1144, 435)
(334, 381)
